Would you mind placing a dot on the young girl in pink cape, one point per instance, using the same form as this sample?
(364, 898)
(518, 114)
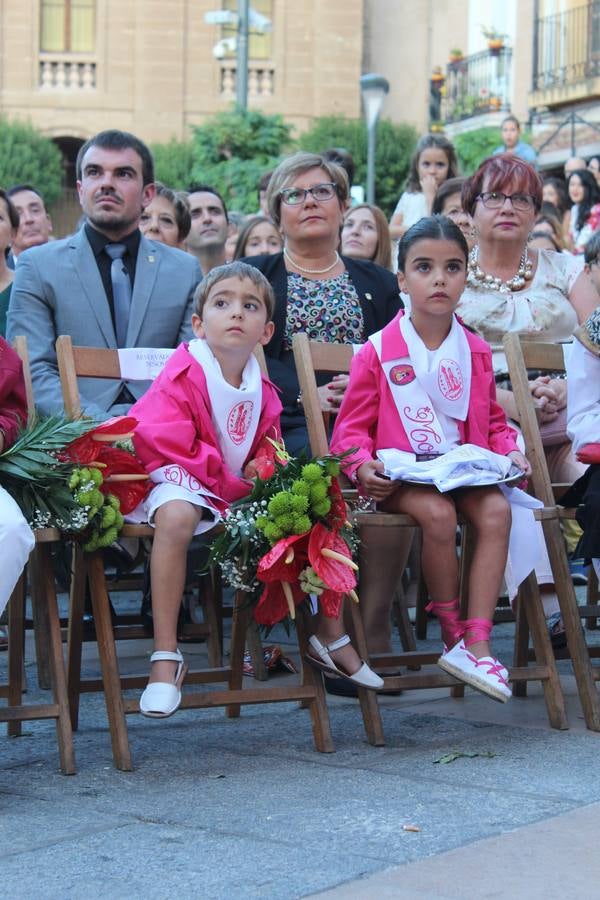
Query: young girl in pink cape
(425, 384)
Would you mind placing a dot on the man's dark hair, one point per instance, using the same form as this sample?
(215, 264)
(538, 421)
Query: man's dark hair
(17, 188)
(208, 189)
(263, 183)
(343, 158)
(119, 140)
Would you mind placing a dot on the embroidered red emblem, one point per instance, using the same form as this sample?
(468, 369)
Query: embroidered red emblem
(402, 374)
(238, 421)
(450, 379)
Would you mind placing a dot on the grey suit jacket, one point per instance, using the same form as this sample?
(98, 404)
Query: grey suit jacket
(58, 290)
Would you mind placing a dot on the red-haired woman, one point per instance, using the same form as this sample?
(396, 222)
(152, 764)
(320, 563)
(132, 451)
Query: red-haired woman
(514, 288)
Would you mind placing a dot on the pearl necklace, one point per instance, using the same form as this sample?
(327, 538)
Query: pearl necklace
(477, 277)
(311, 271)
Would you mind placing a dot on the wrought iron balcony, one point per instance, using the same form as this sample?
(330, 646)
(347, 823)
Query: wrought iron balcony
(477, 84)
(567, 47)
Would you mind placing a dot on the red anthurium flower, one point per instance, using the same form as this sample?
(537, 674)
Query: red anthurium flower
(331, 568)
(273, 565)
(338, 513)
(86, 449)
(272, 605)
(130, 484)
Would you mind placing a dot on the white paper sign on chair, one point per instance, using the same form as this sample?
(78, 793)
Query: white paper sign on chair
(142, 363)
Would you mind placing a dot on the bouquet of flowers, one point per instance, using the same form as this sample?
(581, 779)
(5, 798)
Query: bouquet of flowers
(69, 475)
(289, 539)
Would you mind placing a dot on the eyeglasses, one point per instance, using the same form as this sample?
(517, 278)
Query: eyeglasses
(496, 199)
(296, 196)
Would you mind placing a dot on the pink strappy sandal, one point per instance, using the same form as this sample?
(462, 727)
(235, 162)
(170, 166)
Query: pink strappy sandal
(487, 674)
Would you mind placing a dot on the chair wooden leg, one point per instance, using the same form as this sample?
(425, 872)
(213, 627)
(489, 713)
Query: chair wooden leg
(530, 599)
(255, 648)
(405, 629)
(239, 627)
(521, 646)
(319, 714)
(39, 611)
(369, 705)
(75, 631)
(16, 632)
(591, 623)
(108, 660)
(582, 667)
(64, 733)
(212, 600)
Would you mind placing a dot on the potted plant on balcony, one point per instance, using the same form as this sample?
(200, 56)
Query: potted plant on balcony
(455, 56)
(495, 39)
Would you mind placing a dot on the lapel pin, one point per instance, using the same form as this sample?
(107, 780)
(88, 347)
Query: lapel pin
(150, 259)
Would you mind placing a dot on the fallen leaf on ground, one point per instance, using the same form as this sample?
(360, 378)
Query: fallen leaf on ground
(410, 828)
(460, 754)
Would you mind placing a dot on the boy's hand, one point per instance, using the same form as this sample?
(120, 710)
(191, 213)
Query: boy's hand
(371, 479)
(521, 461)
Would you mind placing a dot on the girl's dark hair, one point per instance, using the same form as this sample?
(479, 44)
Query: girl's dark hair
(436, 228)
(413, 182)
(561, 192)
(591, 196)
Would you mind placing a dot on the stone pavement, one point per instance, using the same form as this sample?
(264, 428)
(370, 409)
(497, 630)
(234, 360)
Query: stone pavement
(219, 809)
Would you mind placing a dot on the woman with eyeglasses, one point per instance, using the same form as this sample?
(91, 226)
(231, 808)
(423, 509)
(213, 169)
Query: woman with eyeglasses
(512, 287)
(319, 291)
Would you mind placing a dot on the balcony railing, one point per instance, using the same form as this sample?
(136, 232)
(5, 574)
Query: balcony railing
(66, 72)
(261, 80)
(567, 47)
(477, 84)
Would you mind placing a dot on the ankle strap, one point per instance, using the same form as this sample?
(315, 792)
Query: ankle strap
(477, 630)
(338, 644)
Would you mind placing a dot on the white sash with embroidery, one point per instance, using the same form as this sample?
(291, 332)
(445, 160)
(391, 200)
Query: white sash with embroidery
(235, 411)
(425, 388)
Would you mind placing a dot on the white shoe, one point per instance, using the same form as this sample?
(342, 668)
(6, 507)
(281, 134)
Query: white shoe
(487, 674)
(364, 677)
(161, 699)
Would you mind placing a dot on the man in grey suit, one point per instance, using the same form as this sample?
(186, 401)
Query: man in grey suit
(66, 286)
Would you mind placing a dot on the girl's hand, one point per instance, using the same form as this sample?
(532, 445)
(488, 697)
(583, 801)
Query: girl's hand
(337, 388)
(546, 398)
(374, 484)
(429, 187)
(520, 460)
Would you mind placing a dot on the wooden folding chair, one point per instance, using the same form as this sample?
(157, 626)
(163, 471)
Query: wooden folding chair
(47, 628)
(311, 357)
(522, 355)
(104, 363)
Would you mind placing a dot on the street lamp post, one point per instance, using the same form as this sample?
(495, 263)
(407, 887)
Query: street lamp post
(242, 55)
(373, 89)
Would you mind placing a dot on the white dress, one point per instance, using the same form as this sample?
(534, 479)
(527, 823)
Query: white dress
(542, 310)
(413, 207)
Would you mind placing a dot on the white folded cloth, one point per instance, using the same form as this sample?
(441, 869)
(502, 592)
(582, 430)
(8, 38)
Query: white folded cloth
(463, 466)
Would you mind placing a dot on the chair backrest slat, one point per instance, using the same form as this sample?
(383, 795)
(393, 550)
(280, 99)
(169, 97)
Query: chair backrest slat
(522, 355)
(20, 346)
(311, 357)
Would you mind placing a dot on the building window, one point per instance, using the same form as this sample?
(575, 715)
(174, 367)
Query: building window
(68, 26)
(259, 45)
